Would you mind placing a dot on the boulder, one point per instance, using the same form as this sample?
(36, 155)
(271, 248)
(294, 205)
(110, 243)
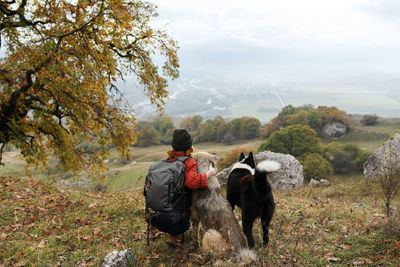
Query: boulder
(122, 258)
(335, 129)
(384, 160)
(288, 177)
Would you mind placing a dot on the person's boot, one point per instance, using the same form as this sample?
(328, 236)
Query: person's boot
(173, 241)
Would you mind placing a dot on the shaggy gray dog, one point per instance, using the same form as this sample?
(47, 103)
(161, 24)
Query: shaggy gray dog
(212, 210)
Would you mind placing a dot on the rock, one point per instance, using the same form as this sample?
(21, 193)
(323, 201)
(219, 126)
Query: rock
(288, 177)
(314, 182)
(335, 129)
(324, 182)
(122, 258)
(384, 160)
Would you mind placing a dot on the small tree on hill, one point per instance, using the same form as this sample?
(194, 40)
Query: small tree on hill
(295, 140)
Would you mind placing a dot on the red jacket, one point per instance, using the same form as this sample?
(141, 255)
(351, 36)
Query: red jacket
(193, 179)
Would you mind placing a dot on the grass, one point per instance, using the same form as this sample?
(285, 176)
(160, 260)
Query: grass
(43, 225)
(370, 138)
(119, 176)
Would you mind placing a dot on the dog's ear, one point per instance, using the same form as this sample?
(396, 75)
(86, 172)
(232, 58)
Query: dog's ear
(251, 160)
(241, 157)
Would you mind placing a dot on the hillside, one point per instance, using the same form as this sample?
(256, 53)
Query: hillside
(46, 224)
(43, 225)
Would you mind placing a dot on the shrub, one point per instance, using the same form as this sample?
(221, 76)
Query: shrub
(296, 140)
(231, 157)
(342, 163)
(368, 120)
(353, 150)
(315, 167)
(361, 159)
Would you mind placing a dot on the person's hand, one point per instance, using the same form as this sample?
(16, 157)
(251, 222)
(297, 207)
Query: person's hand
(211, 171)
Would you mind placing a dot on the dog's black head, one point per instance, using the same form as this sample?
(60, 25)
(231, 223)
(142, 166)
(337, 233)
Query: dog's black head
(248, 161)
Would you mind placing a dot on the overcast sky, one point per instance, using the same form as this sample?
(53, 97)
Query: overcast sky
(285, 39)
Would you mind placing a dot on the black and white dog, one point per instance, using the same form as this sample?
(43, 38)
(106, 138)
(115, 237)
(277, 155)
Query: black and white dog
(248, 188)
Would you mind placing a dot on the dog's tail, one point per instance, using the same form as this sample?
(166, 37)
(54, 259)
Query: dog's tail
(261, 184)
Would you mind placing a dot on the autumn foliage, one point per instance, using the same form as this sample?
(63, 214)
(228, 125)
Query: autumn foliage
(306, 115)
(58, 77)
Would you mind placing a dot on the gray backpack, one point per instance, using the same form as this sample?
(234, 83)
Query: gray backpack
(164, 195)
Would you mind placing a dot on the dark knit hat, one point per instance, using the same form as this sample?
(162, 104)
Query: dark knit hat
(181, 140)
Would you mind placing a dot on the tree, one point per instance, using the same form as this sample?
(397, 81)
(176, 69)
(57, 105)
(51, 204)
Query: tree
(191, 123)
(250, 128)
(148, 137)
(58, 78)
(163, 124)
(295, 140)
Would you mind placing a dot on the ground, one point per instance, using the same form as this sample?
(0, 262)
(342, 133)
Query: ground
(339, 225)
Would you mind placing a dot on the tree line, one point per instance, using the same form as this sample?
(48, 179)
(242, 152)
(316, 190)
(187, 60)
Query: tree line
(220, 130)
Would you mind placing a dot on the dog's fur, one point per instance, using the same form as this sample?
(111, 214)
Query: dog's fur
(248, 188)
(212, 210)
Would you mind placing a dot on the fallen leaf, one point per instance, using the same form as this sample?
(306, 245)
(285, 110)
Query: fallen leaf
(329, 257)
(344, 230)
(358, 262)
(97, 230)
(344, 246)
(3, 236)
(41, 244)
(397, 245)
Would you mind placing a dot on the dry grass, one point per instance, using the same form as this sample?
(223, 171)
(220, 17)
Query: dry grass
(339, 225)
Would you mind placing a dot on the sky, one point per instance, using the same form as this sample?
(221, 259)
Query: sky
(285, 40)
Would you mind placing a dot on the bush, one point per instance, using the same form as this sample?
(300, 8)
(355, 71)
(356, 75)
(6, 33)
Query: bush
(231, 157)
(361, 159)
(296, 140)
(368, 120)
(342, 163)
(315, 167)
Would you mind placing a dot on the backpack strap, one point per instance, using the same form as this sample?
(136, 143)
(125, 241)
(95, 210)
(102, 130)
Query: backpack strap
(182, 159)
